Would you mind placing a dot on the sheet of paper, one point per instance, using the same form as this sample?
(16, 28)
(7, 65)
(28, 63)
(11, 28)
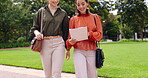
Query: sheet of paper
(79, 33)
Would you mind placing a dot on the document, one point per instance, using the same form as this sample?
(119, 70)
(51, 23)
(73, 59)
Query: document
(79, 33)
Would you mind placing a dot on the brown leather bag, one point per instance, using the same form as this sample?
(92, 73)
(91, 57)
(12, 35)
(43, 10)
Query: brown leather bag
(36, 45)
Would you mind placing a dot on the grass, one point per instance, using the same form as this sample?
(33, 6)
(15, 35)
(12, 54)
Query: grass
(122, 60)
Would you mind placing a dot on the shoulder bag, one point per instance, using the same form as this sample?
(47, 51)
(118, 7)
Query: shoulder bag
(36, 45)
(99, 53)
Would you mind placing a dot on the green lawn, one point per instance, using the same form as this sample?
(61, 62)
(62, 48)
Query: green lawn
(122, 60)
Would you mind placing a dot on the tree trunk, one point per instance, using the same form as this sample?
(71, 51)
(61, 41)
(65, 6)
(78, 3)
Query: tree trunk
(141, 35)
(134, 36)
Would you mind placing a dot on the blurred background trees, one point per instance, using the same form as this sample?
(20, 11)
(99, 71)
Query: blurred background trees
(16, 17)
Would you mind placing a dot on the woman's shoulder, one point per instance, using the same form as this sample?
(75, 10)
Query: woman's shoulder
(62, 10)
(75, 17)
(40, 10)
(94, 14)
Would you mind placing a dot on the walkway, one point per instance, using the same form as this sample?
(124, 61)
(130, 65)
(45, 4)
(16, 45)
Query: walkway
(20, 72)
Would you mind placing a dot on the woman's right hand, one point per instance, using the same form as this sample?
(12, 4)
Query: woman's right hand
(68, 55)
(38, 35)
(72, 41)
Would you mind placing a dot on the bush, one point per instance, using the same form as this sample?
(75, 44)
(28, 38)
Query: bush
(21, 39)
(129, 40)
(127, 32)
(104, 40)
(13, 45)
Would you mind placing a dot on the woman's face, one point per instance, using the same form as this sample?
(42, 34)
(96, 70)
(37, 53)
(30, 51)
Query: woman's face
(82, 6)
(54, 3)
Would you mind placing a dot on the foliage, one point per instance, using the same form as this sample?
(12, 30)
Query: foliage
(6, 23)
(14, 45)
(11, 23)
(17, 16)
(133, 13)
(129, 40)
(112, 30)
(127, 32)
(109, 21)
(21, 39)
(70, 9)
(104, 40)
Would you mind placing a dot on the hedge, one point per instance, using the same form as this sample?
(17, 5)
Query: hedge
(14, 45)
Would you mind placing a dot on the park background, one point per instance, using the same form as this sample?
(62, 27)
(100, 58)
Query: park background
(126, 56)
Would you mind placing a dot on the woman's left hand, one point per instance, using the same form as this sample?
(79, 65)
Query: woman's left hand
(88, 33)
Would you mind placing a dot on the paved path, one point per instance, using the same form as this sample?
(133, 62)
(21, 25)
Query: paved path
(20, 72)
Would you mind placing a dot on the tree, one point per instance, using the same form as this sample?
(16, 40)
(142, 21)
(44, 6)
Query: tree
(112, 30)
(133, 14)
(68, 6)
(109, 21)
(126, 32)
(17, 15)
(7, 20)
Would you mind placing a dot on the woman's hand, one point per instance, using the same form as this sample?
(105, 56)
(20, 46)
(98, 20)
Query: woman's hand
(88, 34)
(38, 35)
(68, 55)
(72, 41)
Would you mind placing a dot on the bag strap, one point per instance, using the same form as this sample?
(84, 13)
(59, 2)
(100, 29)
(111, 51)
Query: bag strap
(97, 42)
(42, 16)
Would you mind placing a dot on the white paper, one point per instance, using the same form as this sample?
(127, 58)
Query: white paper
(79, 33)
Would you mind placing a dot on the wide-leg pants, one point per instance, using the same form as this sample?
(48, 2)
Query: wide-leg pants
(52, 56)
(84, 62)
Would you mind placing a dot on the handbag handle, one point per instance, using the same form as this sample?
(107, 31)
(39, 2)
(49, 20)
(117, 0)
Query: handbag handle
(97, 42)
(42, 16)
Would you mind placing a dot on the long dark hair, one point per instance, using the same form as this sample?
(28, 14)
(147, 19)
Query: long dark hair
(77, 12)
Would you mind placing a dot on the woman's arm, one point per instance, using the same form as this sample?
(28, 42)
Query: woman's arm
(97, 35)
(36, 23)
(71, 26)
(65, 27)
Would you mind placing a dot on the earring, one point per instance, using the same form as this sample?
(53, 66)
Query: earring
(88, 7)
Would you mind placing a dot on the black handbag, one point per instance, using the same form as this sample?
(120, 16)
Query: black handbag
(99, 56)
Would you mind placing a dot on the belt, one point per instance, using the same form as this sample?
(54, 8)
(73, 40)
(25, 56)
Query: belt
(51, 37)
